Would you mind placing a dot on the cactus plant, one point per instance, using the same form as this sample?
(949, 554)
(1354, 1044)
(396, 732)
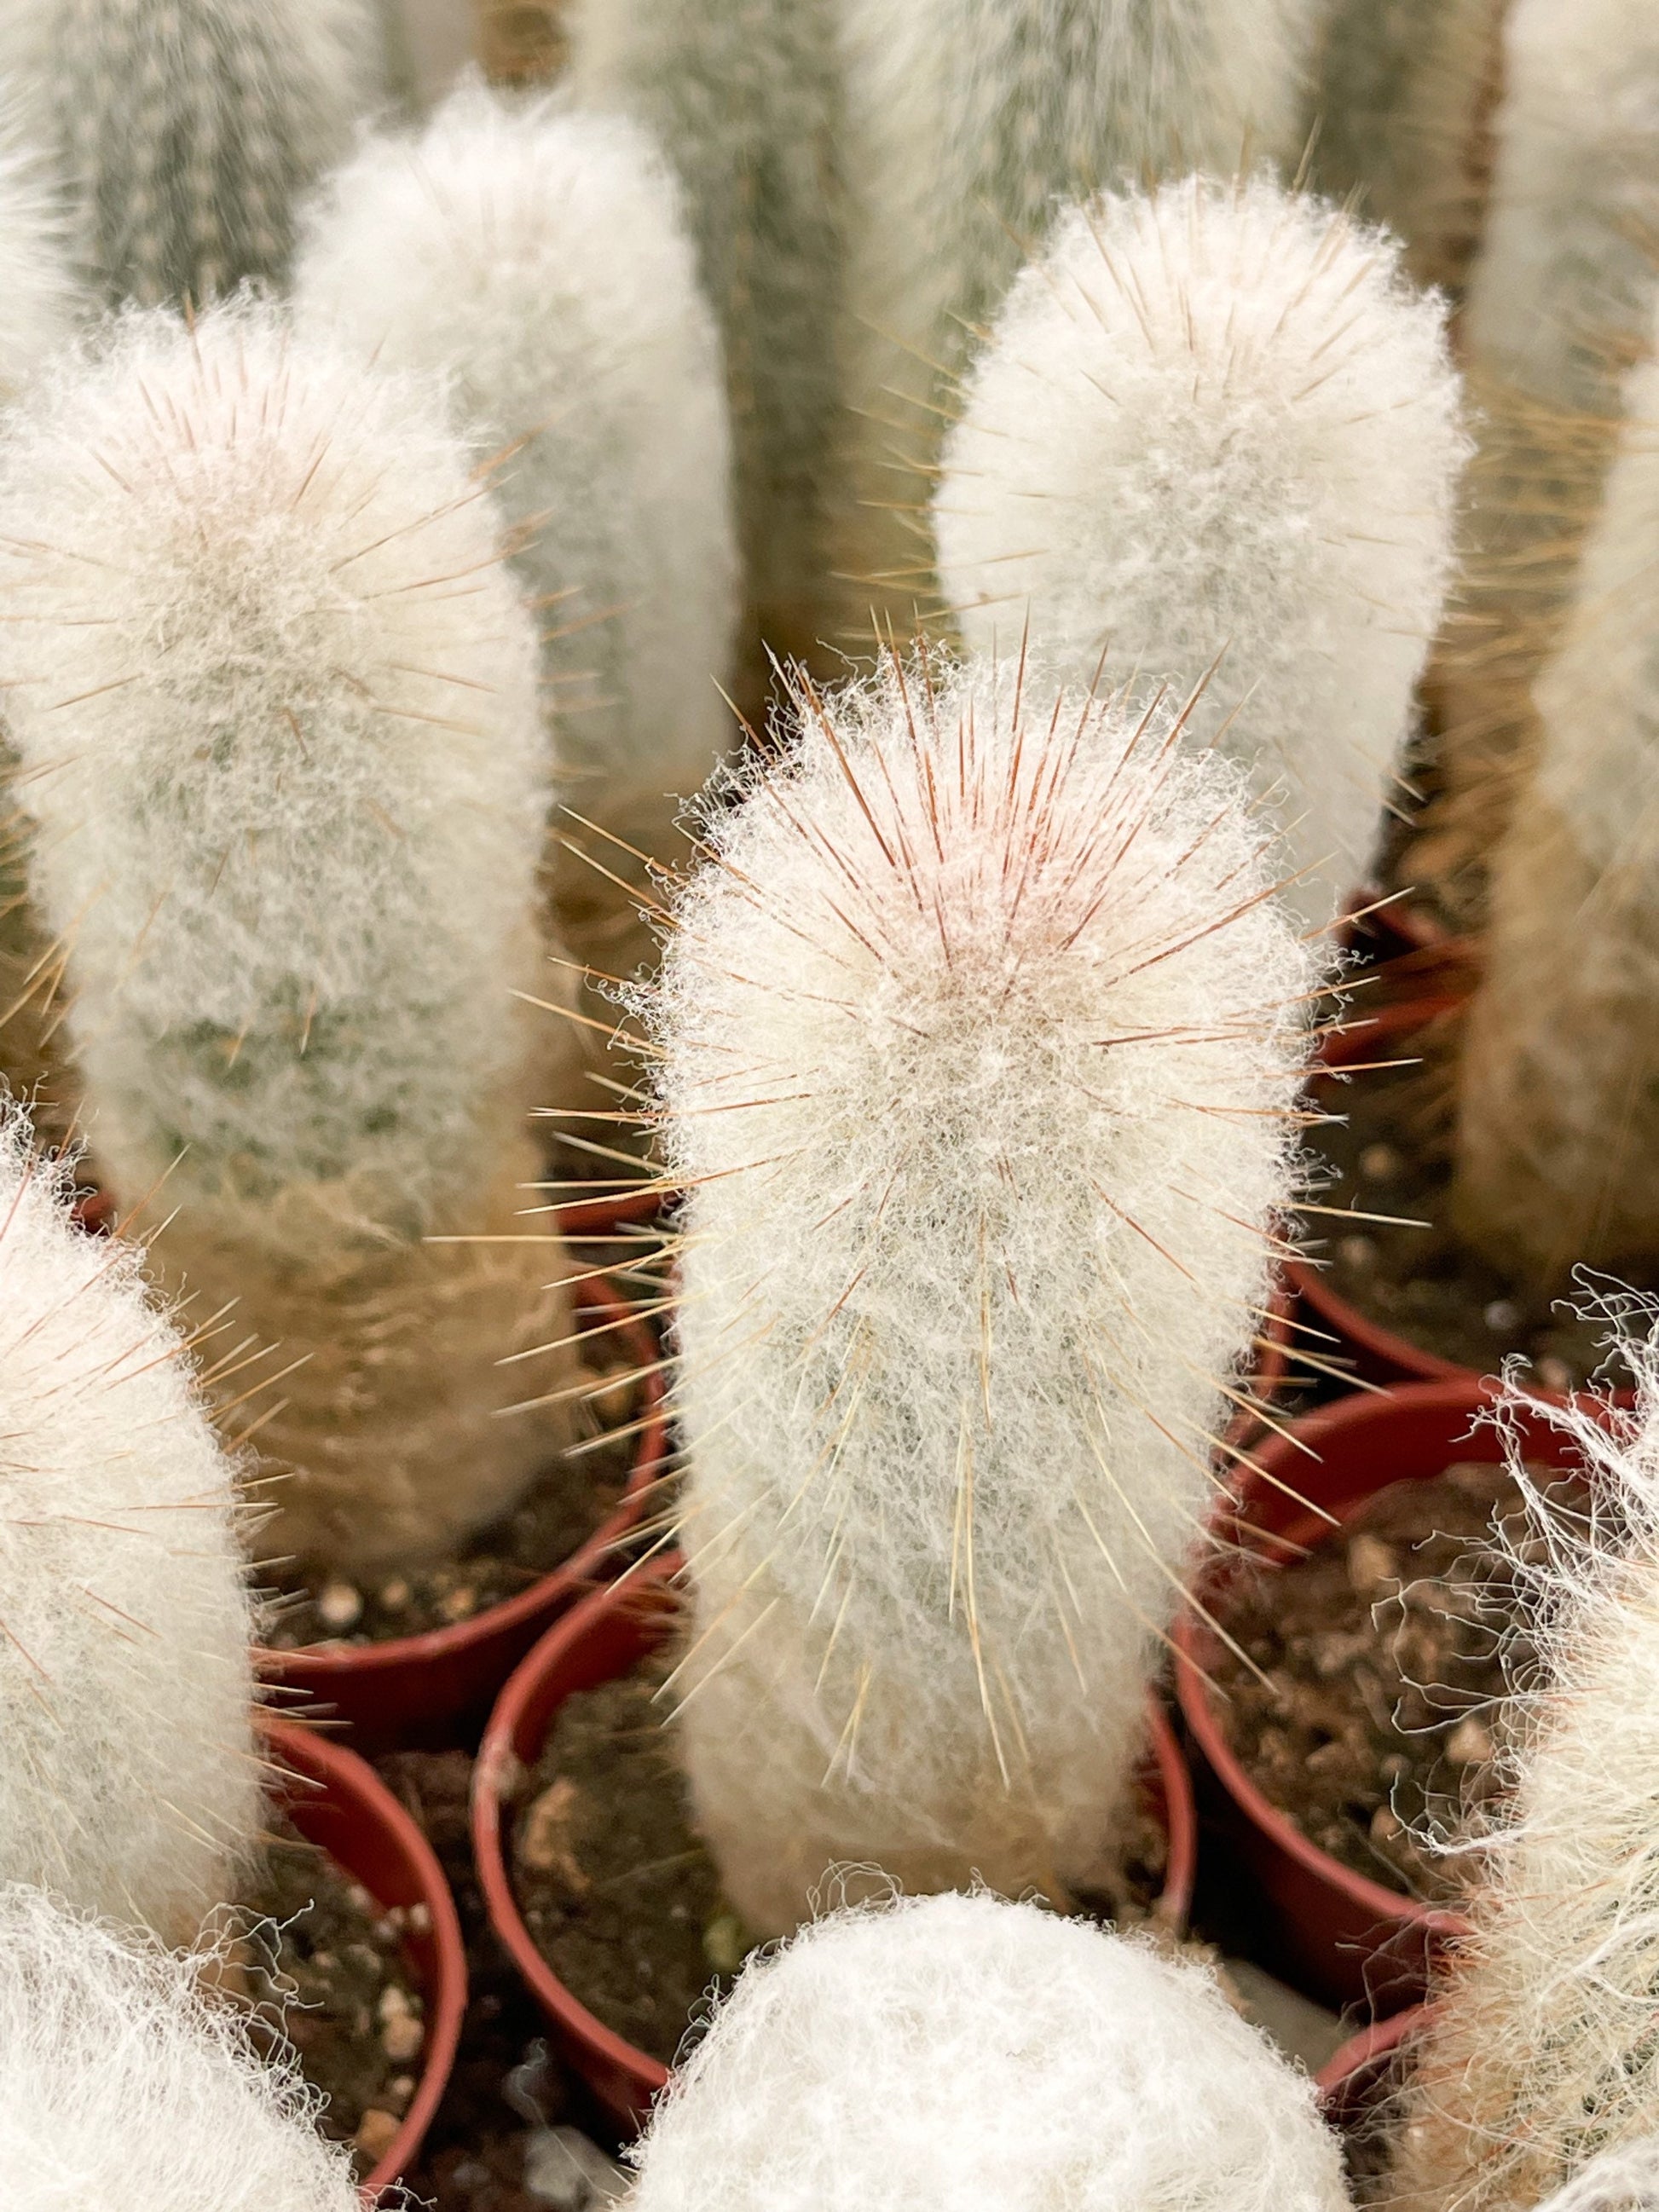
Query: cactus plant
(1541, 2054)
(960, 2051)
(1624, 2180)
(1559, 1117)
(122, 2083)
(1212, 422)
(978, 1042)
(538, 256)
(291, 783)
(965, 120)
(187, 130)
(1398, 109)
(1559, 301)
(745, 100)
(131, 1787)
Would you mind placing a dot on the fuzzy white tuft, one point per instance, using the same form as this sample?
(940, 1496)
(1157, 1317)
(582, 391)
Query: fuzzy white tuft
(186, 129)
(275, 700)
(37, 293)
(979, 1037)
(538, 255)
(1541, 2052)
(1215, 421)
(745, 102)
(122, 2086)
(966, 120)
(956, 2054)
(1625, 2180)
(1571, 254)
(130, 1784)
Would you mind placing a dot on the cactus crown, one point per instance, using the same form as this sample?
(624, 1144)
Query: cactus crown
(1214, 420)
(129, 1785)
(1026, 2062)
(538, 255)
(120, 2083)
(291, 776)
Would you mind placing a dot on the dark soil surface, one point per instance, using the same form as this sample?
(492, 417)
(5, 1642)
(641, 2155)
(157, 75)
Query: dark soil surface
(327, 1969)
(555, 1518)
(1381, 1651)
(1391, 1155)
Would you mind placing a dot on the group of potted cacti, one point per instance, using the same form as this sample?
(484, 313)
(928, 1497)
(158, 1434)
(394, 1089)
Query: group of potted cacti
(1098, 531)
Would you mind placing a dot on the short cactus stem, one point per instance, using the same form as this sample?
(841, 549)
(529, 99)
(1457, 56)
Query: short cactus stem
(978, 1047)
(1215, 433)
(290, 804)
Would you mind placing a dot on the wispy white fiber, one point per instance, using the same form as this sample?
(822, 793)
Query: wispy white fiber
(956, 2054)
(977, 1036)
(1215, 423)
(129, 1783)
(38, 298)
(124, 2089)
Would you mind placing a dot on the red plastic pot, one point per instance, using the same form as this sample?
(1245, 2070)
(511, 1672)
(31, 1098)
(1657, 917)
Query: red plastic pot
(1376, 1353)
(631, 1203)
(1353, 2081)
(601, 1638)
(431, 1686)
(1331, 1933)
(340, 1803)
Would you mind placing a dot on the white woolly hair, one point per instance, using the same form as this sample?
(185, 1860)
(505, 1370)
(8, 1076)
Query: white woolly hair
(1571, 251)
(957, 2054)
(38, 295)
(965, 120)
(1626, 2180)
(978, 1038)
(122, 2085)
(541, 257)
(130, 1784)
(275, 703)
(186, 129)
(1215, 421)
(1542, 2053)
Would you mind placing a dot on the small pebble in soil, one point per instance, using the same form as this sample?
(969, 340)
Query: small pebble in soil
(1358, 1253)
(1378, 1717)
(1502, 1316)
(339, 1607)
(1379, 1163)
(377, 2131)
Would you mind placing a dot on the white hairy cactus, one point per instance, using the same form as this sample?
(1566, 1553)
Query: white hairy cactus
(1559, 1130)
(130, 1782)
(121, 2084)
(959, 2054)
(538, 256)
(187, 130)
(965, 121)
(291, 781)
(744, 100)
(1624, 2180)
(37, 292)
(1542, 2053)
(1214, 421)
(978, 1039)
(1397, 107)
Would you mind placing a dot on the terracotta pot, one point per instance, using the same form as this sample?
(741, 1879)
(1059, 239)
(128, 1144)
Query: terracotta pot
(603, 1637)
(338, 1803)
(1387, 926)
(630, 1203)
(1331, 1933)
(436, 1688)
(1376, 1353)
(1353, 2078)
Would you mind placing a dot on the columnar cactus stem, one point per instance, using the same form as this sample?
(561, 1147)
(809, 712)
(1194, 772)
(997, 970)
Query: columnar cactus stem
(537, 257)
(131, 1787)
(745, 99)
(959, 2052)
(1213, 423)
(1558, 1129)
(1398, 116)
(980, 1039)
(965, 120)
(275, 700)
(1559, 301)
(188, 130)
(1541, 2053)
(122, 2083)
